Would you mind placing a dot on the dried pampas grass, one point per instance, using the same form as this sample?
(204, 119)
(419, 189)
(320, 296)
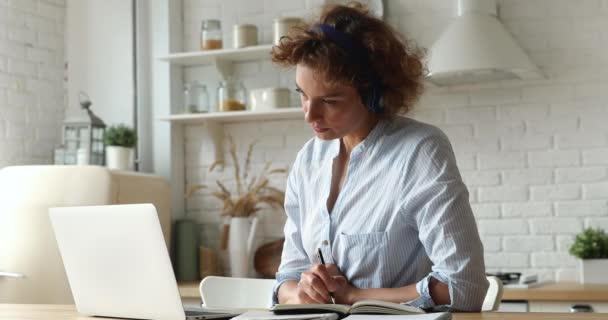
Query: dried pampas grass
(250, 191)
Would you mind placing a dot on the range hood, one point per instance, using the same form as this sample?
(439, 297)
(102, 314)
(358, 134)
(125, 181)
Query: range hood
(477, 48)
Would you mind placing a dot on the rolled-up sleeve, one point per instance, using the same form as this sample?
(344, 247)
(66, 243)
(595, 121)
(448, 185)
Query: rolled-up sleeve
(446, 227)
(294, 259)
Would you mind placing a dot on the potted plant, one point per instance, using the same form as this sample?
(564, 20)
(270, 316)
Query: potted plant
(120, 141)
(591, 246)
(241, 205)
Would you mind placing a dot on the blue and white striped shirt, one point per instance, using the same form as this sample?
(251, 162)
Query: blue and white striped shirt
(402, 216)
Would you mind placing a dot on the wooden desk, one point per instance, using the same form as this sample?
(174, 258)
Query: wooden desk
(550, 297)
(68, 312)
(562, 291)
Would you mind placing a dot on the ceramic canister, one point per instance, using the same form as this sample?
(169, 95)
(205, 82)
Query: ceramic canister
(244, 35)
(282, 25)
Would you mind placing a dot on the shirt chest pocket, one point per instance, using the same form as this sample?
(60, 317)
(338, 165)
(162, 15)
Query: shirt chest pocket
(362, 257)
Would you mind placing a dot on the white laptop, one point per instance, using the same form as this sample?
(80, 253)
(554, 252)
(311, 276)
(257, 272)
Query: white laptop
(117, 263)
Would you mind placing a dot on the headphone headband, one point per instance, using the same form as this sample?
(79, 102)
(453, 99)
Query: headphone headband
(372, 98)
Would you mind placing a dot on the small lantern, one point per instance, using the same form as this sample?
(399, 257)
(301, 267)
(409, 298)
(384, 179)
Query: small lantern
(83, 136)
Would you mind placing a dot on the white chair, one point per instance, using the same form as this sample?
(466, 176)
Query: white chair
(493, 296)
(236, 293)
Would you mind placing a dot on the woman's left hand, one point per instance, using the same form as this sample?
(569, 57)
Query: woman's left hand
(346, 292)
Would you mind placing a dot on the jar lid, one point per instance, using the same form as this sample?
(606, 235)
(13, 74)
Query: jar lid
(230, 81)
(274, 89)
(288, 19)
(211, 24)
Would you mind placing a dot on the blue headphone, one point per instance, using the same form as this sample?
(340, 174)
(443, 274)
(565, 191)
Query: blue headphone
(372, 98)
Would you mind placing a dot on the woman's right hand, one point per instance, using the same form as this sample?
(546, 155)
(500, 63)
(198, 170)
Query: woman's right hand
(314, 286)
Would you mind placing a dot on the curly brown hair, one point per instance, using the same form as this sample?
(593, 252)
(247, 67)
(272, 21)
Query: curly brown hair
(393, 60)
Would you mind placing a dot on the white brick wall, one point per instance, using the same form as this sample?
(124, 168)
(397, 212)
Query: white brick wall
(533, 154)
(31, 80)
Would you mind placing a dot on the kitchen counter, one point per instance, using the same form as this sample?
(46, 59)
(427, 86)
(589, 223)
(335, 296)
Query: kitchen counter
(68, 312)
(560, 291)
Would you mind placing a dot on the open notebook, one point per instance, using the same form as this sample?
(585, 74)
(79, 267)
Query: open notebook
(360, 307)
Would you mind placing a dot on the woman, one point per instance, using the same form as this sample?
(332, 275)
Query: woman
(377, 195)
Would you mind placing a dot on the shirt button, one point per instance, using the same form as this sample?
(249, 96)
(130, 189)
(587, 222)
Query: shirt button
(325, 242)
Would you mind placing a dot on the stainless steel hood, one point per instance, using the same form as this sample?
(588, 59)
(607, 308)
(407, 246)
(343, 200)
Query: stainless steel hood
(477, 48)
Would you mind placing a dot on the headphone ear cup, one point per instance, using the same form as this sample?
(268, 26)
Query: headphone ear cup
(365, 99)
(373, 100)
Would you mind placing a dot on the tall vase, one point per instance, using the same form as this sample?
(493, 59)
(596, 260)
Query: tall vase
(240, 244)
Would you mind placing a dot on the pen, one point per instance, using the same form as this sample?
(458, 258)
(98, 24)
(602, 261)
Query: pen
(320, 254)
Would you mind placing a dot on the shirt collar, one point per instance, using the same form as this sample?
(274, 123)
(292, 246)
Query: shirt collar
(374, 135)
(371, 138)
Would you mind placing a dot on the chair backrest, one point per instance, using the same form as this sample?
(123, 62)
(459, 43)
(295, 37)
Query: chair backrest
(493, 296)
(236, 293)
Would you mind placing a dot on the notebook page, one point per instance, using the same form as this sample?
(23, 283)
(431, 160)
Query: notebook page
(268, 315)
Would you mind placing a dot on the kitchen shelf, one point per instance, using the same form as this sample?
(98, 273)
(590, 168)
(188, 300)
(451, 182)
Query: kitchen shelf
(235, 116)
(213, 122)
(207, 57)
(222, 59)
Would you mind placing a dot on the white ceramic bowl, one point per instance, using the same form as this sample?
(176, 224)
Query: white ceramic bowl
(265, 99)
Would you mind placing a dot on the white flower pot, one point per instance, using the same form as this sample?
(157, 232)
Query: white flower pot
(240, 245)
(120, 158)
(594, 271)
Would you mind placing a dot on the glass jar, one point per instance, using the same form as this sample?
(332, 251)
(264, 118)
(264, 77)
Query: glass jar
(196, 98)
(211, 34)
(231, 96)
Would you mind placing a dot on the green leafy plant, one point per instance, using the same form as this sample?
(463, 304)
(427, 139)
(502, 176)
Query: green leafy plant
(120, 135)
(590, 244)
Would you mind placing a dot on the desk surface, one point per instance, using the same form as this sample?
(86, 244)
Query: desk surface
(68, 312)
(562, 291)
(189, 289)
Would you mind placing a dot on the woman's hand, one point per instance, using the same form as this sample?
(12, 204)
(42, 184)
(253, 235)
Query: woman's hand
(314, 286)
(318, 282)
(345, 292)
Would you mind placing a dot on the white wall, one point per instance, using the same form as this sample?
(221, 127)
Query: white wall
(31, 80)
(33, 48)
(533, 154)
(100, 57)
